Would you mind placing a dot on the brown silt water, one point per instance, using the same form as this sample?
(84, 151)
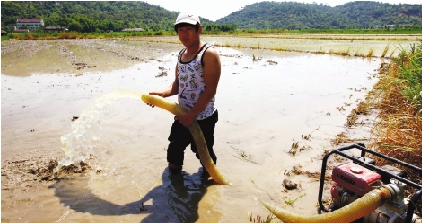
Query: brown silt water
(81, 102)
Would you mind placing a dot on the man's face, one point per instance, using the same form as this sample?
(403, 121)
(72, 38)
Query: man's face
(188, 34)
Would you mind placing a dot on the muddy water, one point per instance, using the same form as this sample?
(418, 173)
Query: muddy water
(267, 101)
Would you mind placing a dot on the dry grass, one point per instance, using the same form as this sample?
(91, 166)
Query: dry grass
(384, 52)
(398, 132)
(342, 138)
(345, 52)
(363, 107)
(370, 53)
(258, 219)
(391, 54)
(357, 54)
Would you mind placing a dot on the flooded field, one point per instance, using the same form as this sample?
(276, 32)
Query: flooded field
(267, 101)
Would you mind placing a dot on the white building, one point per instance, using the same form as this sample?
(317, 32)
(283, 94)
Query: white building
(30, 23)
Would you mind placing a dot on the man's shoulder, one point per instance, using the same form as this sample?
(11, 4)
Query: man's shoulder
(209, 46)
(210, 50)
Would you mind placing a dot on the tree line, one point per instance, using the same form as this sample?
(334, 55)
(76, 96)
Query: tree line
(105, 16)
(97, 16)
(353, 15)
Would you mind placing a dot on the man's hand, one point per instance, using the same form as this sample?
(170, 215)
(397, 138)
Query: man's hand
(171, 90)
(185, 119)
(155, 93)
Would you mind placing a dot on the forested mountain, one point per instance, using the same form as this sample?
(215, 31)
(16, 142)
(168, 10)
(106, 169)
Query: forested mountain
(87, 16)
(94, 16)
(292, 15)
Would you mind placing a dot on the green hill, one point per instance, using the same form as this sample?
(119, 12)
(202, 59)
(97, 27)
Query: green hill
(100, 16)
(292, 15)
(87, 16)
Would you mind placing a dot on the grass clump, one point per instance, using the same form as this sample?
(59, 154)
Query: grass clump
(400, 106)
(370, 53)
(346, 52)
(258, 219)
(384, 52)
(398, 130)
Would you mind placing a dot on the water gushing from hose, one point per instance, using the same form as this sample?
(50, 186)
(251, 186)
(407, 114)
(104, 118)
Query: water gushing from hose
(85, 129)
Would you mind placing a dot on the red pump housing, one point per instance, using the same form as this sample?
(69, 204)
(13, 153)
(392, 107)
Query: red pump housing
(355, 178)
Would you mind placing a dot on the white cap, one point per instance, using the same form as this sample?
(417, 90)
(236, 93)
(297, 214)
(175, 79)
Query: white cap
(189, 18)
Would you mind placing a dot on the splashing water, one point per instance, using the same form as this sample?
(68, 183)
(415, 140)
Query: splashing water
(85, 128)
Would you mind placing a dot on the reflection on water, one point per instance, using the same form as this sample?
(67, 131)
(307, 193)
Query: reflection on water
(181, 192)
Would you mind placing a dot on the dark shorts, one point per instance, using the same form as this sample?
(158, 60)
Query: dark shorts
(180, 138)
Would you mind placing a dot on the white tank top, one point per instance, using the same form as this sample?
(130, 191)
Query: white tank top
(192, 84)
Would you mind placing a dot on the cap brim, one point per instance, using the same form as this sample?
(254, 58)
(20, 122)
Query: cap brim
(188, 21)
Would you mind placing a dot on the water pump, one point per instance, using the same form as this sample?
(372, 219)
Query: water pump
(359, 175)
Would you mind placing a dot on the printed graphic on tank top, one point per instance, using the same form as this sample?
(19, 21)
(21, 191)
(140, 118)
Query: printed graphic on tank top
(192, 84)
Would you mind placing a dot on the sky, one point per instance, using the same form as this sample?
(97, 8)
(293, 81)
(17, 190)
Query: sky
(217, 9)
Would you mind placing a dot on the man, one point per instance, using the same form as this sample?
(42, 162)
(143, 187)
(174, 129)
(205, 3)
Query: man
(197, 75)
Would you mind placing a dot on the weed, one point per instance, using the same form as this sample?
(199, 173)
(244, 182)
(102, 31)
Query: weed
(351, 119)
(391, 54)
(294, 149)
(357, 54)
(346, 53)
(255, 184)
(243, 155)
(258, 218)
(279, 169)
(292, 201)
(363, 108)
(341, 138)
(306, 137)
(398, 131)
(370, 53)
(413, 48)
(385, 51)
(341, 108)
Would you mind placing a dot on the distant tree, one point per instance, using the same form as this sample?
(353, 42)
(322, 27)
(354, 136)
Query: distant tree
(74, 26)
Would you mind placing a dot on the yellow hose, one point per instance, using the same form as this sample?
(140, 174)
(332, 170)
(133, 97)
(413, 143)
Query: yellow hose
(196, 132)
(356, 210)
